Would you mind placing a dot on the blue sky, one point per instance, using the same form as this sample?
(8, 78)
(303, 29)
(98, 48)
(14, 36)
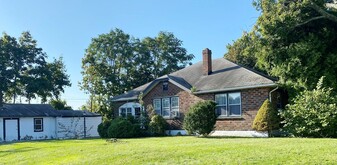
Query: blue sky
(65, 28)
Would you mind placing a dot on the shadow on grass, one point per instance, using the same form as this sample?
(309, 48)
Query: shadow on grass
(231, 137)
(46, 141)
(19, 150)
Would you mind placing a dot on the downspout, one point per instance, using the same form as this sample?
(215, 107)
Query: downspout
(272, 92)
(85, 128)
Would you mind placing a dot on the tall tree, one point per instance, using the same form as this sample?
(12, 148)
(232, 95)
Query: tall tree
(25, 72)
(8, 48)
(167, 53)
(58, 79)
(116, 62)
(243, 50)
(296, 41)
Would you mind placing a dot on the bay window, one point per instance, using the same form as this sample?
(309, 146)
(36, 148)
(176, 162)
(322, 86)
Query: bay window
(130, 109)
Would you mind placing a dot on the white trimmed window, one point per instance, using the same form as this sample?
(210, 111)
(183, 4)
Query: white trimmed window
(130, 109)
(157, 106)
(168, 107)
(228, 104)
(174, 106)
(165, 107)
(38, 124)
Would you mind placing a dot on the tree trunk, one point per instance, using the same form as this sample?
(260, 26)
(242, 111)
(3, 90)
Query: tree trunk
(1, 98)
(14, 98)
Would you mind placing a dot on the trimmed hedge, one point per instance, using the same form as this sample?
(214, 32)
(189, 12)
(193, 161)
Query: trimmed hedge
(157, 125)
(200, 118)
(123, 128)
(103, 129)
(267, 118)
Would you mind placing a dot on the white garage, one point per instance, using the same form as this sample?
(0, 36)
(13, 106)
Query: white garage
(41, 121)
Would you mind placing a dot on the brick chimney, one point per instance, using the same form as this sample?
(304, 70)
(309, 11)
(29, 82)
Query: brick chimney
(206, 62)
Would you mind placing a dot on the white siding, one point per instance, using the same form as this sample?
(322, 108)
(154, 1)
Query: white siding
(59, 127)
(27, 128)
(73, 127)
(69, 127)
(91, 125)
(1, 129)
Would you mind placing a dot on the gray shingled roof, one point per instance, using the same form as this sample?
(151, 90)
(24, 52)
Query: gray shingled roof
(39, 110)
(225, 76)
(76, 113)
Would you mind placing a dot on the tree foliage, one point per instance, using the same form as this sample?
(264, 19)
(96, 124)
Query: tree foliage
(102, 128)
(313, 113)
(243, 51)
(200, 118)
(59, 104)
(25, 72)
(99, 104)
(123, 128)
(292, 40)
(157, 125)
(116, 62)
(267, 118)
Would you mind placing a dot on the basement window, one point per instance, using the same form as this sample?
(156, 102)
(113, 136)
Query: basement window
(38, 124)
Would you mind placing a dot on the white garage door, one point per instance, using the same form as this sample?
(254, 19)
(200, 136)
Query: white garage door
(11, 129)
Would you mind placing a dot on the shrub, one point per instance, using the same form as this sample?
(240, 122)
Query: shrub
(103, 128)
(150, 111)
(123, 128)
(157, 125)
(200, 118)
(267, 118)
(312, 113)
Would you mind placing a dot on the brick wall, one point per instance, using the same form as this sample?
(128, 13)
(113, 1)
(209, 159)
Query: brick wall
(185, 101)
(251, 100)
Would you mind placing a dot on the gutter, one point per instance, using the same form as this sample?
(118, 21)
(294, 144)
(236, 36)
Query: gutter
(236, 88)
(125, 99)
(272, 92)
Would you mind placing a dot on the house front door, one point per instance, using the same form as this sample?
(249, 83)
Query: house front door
(11, 129)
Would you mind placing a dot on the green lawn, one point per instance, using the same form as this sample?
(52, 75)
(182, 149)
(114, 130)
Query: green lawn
(173, 150)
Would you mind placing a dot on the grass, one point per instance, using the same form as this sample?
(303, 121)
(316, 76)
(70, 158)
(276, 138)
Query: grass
(173, 150)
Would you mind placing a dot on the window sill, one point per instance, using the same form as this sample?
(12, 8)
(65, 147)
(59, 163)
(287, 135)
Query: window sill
(38, 130)
(229, 117)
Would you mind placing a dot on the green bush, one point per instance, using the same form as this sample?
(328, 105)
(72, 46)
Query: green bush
(200, 118)
(123, 128)
(157, 125)
(312, 113)
(103, 128)
(267, 118)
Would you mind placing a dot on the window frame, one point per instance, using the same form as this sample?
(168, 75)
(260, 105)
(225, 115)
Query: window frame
(166, 100)
(173, 111)
(240, 104)
(35, 124)
(138, 114)
(159, 108)
(129, 109)
(222, 105)
(227, 105)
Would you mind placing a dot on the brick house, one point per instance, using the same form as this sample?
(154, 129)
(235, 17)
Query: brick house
(239, 92)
